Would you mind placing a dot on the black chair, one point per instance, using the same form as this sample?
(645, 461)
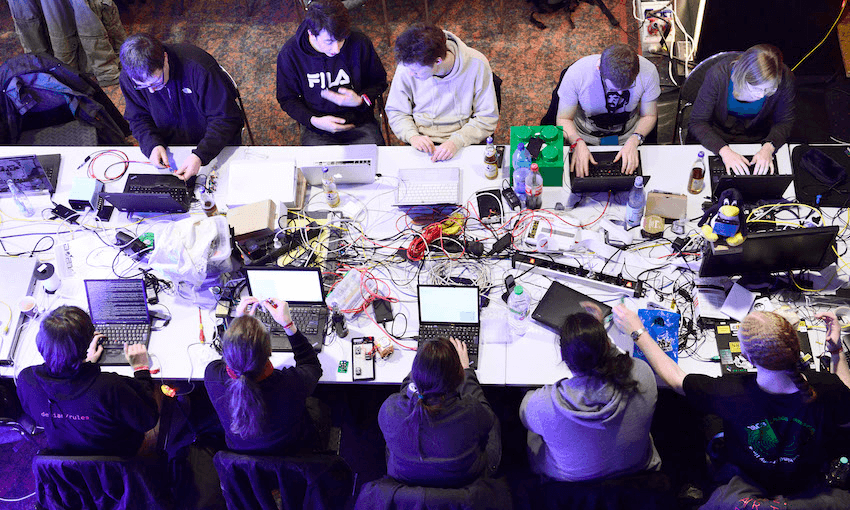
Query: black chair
(497, 84)
(550, 116)
(241, 105)
(313, 481)
(688, 94)
(99, 482)
(387, 493)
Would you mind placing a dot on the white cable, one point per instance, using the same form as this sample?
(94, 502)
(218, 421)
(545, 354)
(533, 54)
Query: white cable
(7, 500)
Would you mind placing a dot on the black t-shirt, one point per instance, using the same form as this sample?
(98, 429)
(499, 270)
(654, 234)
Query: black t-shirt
(780, 441)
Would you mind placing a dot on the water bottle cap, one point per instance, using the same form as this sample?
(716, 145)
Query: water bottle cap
(518, 290)
(325, 169)
(489, 140)
(639, 181)
(520, 146)
(701, 154)
(843, 460)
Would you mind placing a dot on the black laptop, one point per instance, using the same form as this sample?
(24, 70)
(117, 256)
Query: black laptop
(560, 302)
(752, 187)
(451, 311)
(301, 288)
(606, 175)
(152, 193)
(119, 310)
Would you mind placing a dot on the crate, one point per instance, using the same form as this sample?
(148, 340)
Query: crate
(551, 157)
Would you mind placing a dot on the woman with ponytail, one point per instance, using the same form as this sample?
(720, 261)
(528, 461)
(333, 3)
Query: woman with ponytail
(595, 423)
(262, 409)
(440, 429)
(778, 422)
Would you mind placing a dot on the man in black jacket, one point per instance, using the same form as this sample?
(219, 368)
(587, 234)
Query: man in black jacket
(328, 78)
(178, 95)
(85, 411)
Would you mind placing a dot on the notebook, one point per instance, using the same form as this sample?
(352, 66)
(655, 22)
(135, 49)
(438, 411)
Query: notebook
(119, 310)
(559, 302)
(752, 187)
(450, 311)
(349, 164)
(30, 173)
(428, 186)
(301, 288)
(606, 175)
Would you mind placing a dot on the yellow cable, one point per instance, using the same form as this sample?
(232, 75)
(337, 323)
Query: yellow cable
(811, 290)
(9, 322)
(845, 223)
(793, 204)
(843, 5)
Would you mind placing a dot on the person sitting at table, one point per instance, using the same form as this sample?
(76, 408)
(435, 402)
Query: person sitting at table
(594, 424)
(608, 99)
(85, 411)
(778, 423)
(264, 410)
(746, 98)
(328, 78)
(442, 98)
(439, 429)
(177, 94)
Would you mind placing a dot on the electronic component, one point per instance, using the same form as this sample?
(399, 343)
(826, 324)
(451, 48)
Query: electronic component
(363, 358)
(384, 347)
(510, 197)
(383, 310)
(60, 211)
(343, 367)
(129, 244)
(500, 245)
(489, 206)
(510, 283)
(84, 193)
(611, 283)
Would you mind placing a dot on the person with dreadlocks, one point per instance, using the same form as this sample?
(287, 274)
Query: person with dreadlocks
(594, 424)
(440, 429)
(778, 422)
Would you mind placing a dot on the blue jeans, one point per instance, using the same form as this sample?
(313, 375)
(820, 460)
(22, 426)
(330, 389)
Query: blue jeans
(363, 134)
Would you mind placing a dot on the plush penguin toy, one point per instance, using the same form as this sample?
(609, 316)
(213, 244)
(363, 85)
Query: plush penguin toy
(728, 219)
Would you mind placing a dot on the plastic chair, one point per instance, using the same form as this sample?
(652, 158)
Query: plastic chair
(101, 482)
(241, 105)
(312, 481)
(390, 494)
(688, 94)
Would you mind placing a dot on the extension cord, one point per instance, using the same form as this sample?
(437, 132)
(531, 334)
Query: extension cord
(610, 283)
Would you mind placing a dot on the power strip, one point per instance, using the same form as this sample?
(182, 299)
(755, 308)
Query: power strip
(610, 283)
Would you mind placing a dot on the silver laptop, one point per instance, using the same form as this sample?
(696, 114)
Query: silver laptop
(349, 164)
(428, 186)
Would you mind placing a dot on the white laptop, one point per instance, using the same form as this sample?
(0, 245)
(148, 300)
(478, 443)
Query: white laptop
(349, 164)
(428, 186)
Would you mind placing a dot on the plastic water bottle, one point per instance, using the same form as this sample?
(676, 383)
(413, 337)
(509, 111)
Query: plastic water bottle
(534, 188)
(518, 305)
(697, 181)
(637, 201)
(491, 168)
(20, 198)
(521, 163)
(329, 187)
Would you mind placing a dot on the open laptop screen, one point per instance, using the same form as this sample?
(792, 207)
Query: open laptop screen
(448, 304)
(289, 284)
(121, 301)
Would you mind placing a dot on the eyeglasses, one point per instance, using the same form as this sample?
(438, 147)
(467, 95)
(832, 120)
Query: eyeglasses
(156, 85)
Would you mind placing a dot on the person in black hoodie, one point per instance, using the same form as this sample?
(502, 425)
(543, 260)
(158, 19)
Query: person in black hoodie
(264, 410)
(85, 411)
(328, 78)
(178, 95)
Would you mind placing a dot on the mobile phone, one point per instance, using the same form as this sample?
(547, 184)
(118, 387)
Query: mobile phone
(363, 358)
(383, 310)
(500, 155)
(534, 145)
(510, 283)
(489, 206)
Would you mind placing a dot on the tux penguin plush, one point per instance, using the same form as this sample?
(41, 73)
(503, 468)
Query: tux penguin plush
(725, 219)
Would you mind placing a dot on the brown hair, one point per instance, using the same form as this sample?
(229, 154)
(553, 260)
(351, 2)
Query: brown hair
(141, 56)
(619, 63)
(63, 338)
(329, 15)
(586, 349)
(246, 347)
(421, 44)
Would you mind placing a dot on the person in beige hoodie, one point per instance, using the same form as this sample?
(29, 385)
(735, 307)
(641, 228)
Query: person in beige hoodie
(442, 97)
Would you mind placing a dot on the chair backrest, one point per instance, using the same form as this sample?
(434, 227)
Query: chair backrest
(551, 114)
(497, 84)
(240, 104)
(100, 482)
(689, 90)
(311, 482)
(388, 493)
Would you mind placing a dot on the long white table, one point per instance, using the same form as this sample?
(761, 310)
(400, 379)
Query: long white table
(530, 360)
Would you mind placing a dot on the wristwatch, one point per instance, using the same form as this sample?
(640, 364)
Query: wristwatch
(637, 333)
(641, 138)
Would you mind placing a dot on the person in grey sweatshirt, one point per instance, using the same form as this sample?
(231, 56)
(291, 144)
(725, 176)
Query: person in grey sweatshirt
(595, 424)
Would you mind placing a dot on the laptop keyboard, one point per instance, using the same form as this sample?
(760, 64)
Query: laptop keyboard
(423, 193)
(716, 168)
(306, 319)
(119, 334)
(606, 166)
(468, 334)
(179, 194)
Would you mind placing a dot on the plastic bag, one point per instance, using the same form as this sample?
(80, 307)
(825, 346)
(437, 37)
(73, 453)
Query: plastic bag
(190, 250)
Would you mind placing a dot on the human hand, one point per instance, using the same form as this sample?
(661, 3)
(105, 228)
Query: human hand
(763, 160)
(247, 306)
(629, 155)
(189, 168)
(832, 343)
(734, 162)
(342, 97)
(159, 158)
(95, 349)
(137, 355)
(445, 151)
(331, 124)
(626, 319)
(460, 347)
(581, 159)
(279, 310)
(422, 143)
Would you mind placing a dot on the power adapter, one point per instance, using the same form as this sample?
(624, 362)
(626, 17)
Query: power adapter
(503, 242)
(510, 197)
(129, 244)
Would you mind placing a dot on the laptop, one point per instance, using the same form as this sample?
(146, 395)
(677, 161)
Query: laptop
(349, 164)
(559, 302)
(301, 288)
(119, 310)
(24, 170)
(428, 186)
(450, 311)
(50, 163)
(752, 187)
(606, 175)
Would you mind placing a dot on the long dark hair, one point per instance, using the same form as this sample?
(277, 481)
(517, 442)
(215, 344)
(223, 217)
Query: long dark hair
(437, 373)
(63, 338)
(246, 348)
(586, 350)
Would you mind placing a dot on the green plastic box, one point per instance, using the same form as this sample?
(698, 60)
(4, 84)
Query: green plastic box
(551, 157)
